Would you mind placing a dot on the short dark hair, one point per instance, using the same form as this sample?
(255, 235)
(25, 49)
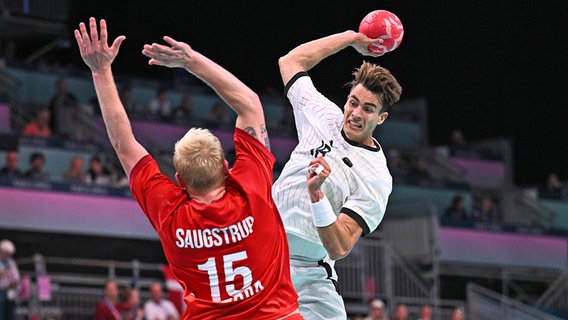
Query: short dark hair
(378, 80)
(36, 155)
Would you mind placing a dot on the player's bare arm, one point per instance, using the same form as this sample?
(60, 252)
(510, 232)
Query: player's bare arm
(308, 55)
(245, 102)
(338, 235)
(98, 56)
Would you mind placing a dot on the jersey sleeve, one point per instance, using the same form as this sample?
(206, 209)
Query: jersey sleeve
(157, 195)
(368, 203)
(312, 110)
(253, 164)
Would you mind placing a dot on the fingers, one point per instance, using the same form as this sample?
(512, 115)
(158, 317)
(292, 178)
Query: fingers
(79, 40)
(104, 33)
(171, 42)
(319, 169)
(82, 37)
(159, 54)
(318, 166)
(93, 27)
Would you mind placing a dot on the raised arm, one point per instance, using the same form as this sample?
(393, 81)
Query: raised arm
(306, 56)
(99, 56)
(245, 102)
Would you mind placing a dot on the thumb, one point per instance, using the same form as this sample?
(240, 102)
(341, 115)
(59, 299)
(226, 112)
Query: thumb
(170, 41)
(174, 43)
(117, 42)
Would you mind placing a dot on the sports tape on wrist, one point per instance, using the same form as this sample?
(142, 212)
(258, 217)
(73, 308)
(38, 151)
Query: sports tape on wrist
(322, 213)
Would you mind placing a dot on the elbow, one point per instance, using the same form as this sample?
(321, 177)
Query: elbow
(338, 253)
(289, 65)
(291, 61)
(254, 101)
(283, 61)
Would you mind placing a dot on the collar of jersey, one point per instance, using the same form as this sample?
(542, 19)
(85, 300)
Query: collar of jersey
(376, 148)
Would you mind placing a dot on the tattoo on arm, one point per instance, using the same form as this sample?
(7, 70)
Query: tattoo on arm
(263, 134)
(251, 131)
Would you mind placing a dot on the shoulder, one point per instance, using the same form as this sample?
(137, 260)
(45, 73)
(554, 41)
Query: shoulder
(295, 79)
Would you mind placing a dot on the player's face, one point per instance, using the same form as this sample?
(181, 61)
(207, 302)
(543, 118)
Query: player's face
(361, 115)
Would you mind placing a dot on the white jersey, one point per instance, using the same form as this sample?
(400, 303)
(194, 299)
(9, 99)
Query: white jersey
(359, 184)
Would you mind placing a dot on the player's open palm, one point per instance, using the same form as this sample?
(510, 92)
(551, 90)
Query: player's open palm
(177, 55)
(94, 46)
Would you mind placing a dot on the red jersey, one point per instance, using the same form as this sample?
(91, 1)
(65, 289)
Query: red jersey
(231, 256)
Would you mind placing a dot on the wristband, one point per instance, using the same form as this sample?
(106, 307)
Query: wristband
(322, 213)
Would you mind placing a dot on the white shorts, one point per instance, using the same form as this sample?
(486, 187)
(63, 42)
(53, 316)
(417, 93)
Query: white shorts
(317, 292)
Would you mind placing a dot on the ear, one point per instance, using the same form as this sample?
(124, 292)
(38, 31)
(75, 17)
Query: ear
(382, 117)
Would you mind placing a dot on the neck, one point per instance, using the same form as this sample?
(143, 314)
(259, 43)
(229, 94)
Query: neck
(211, 196)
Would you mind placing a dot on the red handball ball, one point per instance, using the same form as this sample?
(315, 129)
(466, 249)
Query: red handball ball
(385, 25)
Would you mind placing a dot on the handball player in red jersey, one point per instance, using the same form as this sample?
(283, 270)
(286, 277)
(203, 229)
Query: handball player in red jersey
(220, 230)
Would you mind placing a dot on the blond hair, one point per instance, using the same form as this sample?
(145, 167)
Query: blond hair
(380, 81)
(199, 160)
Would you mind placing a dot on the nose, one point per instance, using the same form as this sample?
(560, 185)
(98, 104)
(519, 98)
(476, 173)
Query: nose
(355, 112)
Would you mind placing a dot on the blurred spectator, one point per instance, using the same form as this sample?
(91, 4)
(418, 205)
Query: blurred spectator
(458, 145)
(400, 312)
(129, 305)
(184, 112)
(106, 308)
(11, 168)
(98, 174)
(74, 174)
(9, 280)
(397, 166)
(158, 308)
(64, 109)
(185, 108)
(552, 188)
(378, 310)
(484, 210)
(217, 116)
(160, 104)
(121, 180)
(125, 95)
(39, 127)
(457, 314)
(418, 173)
(425, 313)
(37, 161)
(286, 125)
(457, 211)
(125, 310)
(133, 298)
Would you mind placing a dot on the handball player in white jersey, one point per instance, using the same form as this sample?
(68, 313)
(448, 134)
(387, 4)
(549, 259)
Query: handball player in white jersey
(326, 211)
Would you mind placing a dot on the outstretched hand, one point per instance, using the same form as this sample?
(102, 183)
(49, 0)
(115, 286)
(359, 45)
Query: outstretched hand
(94, 46)
(178, 54)
(362, 41)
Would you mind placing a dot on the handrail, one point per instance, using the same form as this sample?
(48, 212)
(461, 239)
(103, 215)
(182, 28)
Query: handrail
(39, 265)
(503, 307)
(553, 294)
(543, 215)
